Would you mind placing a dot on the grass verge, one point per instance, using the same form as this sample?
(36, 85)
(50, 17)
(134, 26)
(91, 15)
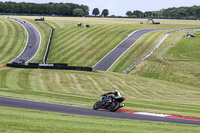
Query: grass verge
(139, 49)
(12, 40)
(84, 88)
(86, 46)
(178, 63)
(23, 121)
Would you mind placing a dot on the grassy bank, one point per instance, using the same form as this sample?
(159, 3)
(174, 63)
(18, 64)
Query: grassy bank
(86, 46)
(139, 49)
(177, 63)
(84, 88)
(179, 95)
(12, 40)
(23, 121)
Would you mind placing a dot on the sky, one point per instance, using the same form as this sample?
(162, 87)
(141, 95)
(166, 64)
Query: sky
(120, 7)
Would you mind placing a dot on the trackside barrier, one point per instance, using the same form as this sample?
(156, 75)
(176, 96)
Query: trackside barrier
(58, 66)
(146, 55)
(187, 29)
(48, 46)
(154, 48)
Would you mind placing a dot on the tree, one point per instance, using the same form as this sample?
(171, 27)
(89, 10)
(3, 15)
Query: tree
(95, 12)
(65, 9)
(129, 14)
(148, 14)
(105, 13)
(85, 9)
(137, 13)
(78, 12)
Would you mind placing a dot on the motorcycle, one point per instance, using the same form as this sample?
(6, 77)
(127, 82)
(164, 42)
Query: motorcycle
(109, 102)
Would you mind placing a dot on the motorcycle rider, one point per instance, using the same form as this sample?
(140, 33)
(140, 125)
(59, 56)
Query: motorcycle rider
(116, 94)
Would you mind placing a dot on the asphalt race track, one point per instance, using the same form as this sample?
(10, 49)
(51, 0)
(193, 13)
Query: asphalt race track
(117, 52)
(17, 103)
(33, 38)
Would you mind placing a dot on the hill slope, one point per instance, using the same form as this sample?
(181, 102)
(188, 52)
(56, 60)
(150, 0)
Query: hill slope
(84, 88)
(86, 46)
(12, 40)
(178, 63)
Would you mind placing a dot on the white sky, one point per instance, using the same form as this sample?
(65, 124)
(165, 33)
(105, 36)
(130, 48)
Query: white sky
(120, 7)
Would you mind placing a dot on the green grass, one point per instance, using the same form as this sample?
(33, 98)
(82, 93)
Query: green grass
(84, 88)
(179, 63)
(23, 121)
(86, 46)
(12, 40)
(185, 50)
(139, 49)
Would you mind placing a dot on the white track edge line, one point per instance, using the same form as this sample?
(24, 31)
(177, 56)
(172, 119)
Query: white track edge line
(26, 41)
(152, 114)
(126, 51)
(157, 45)
(115, 47)
(39, 43)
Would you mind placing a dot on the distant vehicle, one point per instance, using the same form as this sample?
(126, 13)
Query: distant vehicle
(191, 35)
(41, 19)
(109, 102)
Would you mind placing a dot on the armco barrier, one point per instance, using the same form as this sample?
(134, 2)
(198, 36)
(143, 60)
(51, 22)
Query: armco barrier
(146, 55)
(48, 46)
(187, 29)
(57, 66)
(157, 44)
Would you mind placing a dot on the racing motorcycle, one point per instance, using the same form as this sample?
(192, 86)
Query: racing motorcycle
(109, 102)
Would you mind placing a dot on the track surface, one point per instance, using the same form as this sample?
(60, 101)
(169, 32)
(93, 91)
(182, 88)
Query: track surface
(17, 103)
(117, 52)
(33, 39)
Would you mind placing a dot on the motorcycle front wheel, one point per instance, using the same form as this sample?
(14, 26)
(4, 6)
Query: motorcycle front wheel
(96, 106)
(114, 106)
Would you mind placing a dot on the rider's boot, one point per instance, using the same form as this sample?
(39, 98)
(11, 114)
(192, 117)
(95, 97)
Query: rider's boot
(121, 106)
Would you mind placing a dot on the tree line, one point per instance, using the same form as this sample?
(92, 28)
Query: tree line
(176, 13)
(65, 9)
(96, 12)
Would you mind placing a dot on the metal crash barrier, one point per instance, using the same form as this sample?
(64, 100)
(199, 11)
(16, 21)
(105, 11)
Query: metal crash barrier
(58, 66)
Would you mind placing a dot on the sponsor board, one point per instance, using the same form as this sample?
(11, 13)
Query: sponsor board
(46, 65)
